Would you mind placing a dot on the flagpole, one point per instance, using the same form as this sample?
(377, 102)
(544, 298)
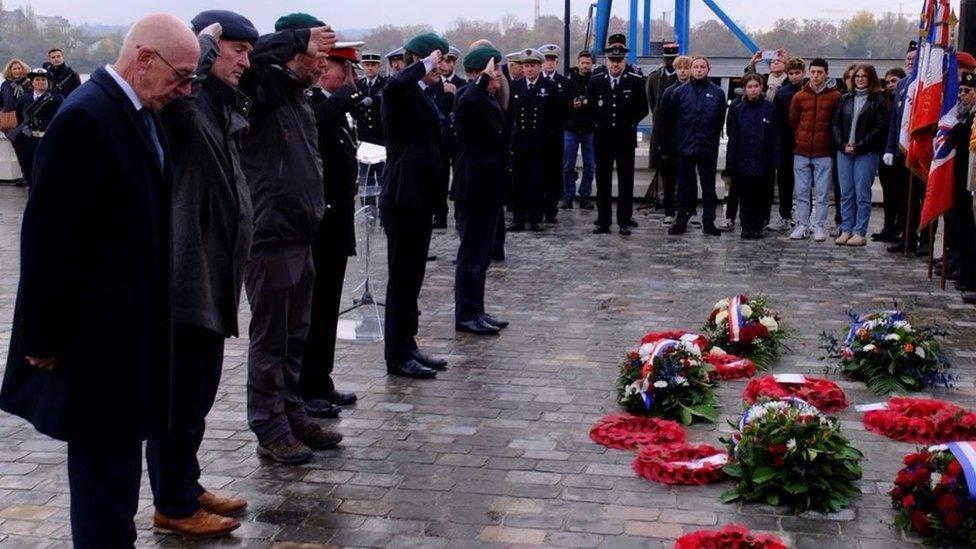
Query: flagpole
(945, 258)
(932, 250)
(908, 217)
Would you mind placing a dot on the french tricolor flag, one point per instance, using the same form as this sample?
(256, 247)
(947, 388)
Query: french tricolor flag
(735, 319)
(965, 453)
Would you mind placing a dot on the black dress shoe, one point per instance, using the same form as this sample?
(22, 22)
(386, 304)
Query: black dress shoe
(476, 327)
(601, 229)
(535, 227)
(585, 204)
(515, 227)
(677, 228)
(566, 205)
(631, 223)
(410, 368)
(624, 231)
(900, 248)
(969, 297)
(320, 407)
(711, 230)
(488, 319)
(497, 257)
(429, 361)
(340, 398)
(551, 219)
(922, 251)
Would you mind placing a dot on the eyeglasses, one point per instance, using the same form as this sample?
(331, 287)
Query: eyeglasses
(181, 76)
(965, 91)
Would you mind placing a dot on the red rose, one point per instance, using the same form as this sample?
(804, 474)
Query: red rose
(954, 469)
(920, 522)
(953, 520)
(908, 501)
(946, 503)
(896, 493)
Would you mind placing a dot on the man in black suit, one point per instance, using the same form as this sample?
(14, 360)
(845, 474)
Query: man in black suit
(617, 102)
(89, 358)
(412, 125)
(445, 92)
(335, 239)
(480, 176)
(536, 111)
(555, 148)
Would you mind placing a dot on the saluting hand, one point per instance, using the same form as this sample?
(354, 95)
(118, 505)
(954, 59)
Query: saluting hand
(214, 30)
(322, 40)
(490, 68)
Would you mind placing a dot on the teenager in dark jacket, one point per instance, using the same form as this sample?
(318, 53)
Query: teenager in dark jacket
(752, 152)
(893, 214)
(860, 127)
(795, 72)
(693, 119)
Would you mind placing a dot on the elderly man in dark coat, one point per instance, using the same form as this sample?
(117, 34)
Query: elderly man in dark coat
(212, 225)
(284, 171)
(480, 177)
(89, 358)
(413, 129)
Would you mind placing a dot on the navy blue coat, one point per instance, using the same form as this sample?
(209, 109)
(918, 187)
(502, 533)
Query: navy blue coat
(94, 276)
(753, 148)
(693, 118)
(894, 124)
(481, 168)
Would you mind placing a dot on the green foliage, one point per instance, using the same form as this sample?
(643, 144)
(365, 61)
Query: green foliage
(678, 382)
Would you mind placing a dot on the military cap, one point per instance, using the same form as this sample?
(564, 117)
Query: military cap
(344, 54)
(616, 51)
(395, 54)
(966, 60)
(550, 50)
(234, 25)
(370, 57)
(530, 55)
(617, 38)
(514, 57)
(452, 53)
(39, 73)
(477, 59)
(296, 21)
(424, 44)
(912, 46)
(968, 80)
(670, 49)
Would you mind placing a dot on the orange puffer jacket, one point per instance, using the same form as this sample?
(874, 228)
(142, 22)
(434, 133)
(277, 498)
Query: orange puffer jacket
(811, 115)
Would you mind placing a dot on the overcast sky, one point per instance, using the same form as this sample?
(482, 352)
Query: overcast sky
(355, 14)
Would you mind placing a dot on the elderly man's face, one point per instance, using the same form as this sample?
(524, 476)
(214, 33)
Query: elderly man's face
(531, 69)
(549, 65)
(333, 75)
(164, 76)
(233, 60)
(515, 70)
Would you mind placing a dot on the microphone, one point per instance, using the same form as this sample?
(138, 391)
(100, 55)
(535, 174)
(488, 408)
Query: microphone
(363, 105)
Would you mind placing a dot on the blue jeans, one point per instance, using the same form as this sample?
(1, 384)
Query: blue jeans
(812, 173)
(856, 177)
(576, 140)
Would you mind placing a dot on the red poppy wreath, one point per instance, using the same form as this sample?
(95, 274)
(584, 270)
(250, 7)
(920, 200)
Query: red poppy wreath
(682, 463)
(729, 537)
(628, 432)
(922, 421)
(822, 393)
(728, 367)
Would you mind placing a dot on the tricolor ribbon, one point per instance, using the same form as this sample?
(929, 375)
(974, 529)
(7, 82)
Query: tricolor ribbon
(858, 321)
(965, 453)
(735, 319)
(661, 346)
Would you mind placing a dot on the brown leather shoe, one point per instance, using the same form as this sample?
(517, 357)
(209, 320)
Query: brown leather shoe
(199, 525)
(225, 507)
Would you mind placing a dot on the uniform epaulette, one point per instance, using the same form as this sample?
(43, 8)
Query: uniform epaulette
(634, 75)
(601, 75)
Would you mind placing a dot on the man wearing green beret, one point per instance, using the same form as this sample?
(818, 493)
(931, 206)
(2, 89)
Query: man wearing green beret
(480, 186)
(412, 126)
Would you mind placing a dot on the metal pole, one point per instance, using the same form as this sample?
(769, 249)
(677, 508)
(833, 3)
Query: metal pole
(602, 23)
(908, 216)
(566, 54)
(632, 31)
(945, 247)
(646, 38)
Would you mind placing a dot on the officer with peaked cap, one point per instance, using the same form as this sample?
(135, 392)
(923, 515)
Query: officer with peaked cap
(617, 39)
(536, 111)
(412, 126)
(395, 60)
(369, 126)
(617, 103)
(35, 111)
(554, 157)
(513, 68)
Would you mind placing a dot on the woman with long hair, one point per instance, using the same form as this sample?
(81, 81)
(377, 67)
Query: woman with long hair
(860, 128)
(15, 84)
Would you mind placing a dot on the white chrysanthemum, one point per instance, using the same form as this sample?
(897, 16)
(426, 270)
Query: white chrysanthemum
(717, 351)
(902, 325)
(680, 380)
(721, 317)
(689, 348)
(632, 389)
(920, 351)
(892, 337)
(660, 384)
(724, 304)
(645, 350)
(746, 310)
(791, 444)
(770, 323)
(869, 347)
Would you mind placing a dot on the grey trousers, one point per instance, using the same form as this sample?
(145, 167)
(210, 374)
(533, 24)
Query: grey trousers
(279, 281)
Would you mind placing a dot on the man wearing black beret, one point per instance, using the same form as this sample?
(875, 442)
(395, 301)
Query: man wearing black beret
(212, 225)
(412, 130)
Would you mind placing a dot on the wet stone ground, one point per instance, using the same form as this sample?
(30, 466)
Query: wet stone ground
(495, 452)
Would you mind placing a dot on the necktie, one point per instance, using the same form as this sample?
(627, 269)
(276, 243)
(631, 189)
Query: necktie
(147, 119)
(613, 84)
(530, 86)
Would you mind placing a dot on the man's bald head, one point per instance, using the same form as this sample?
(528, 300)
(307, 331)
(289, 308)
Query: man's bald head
(158, 58)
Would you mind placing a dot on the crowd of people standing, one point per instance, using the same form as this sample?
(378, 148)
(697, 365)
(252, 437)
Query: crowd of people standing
(218, 160)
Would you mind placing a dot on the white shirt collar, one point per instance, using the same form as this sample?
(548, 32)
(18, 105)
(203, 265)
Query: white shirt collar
(531, 82)
(36, 95)
(422, 84)
(126, 87)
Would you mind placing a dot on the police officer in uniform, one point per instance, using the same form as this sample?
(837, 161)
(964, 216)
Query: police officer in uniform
(552, 160)
(618, 103)
(369, 127)
(617, 39)
(395, 61)
(34, 112)
(536, 110)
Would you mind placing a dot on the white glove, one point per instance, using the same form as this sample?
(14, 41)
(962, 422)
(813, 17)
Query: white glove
(430, 62)
(888, 159)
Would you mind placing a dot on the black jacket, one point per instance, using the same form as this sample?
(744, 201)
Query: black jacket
(281, 154)
(579, 120)
(369, 127)
(213, 219)
(37, 113)
(872, 124)
(65, 78)
(787, 137)
(413, 131)
(753, 147)
(11, 91)
(617, 111)
(94, 285)
(482, 133)
(536, 116)
(338, 147)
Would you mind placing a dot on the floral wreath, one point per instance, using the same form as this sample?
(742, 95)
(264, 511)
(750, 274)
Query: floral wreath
(628, 432)
(681, 463)
(922, 421)
(728, 367)
(932, 493)
(730, 536)
(748, 328)
(699, 341)
(822, 393)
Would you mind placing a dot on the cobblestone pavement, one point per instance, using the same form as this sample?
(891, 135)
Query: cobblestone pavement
(496, 452)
